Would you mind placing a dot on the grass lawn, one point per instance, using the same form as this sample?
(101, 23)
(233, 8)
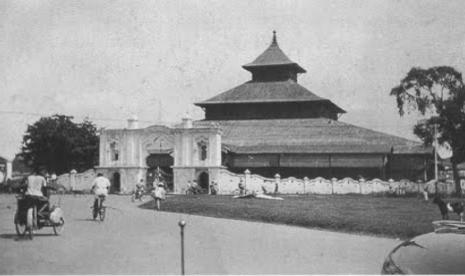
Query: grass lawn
(397, 217)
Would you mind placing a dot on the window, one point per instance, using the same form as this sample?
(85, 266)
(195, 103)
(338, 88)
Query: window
(114, 151)
(202, 147)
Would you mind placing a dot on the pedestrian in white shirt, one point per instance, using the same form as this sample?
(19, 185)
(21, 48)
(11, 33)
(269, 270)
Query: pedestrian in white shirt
(159, 194)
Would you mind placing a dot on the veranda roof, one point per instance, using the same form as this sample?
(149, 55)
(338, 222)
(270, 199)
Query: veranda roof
(316, 136)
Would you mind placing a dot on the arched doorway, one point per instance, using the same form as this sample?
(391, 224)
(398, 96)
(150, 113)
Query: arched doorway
(203, 181)
(159, 166)
(116, 183)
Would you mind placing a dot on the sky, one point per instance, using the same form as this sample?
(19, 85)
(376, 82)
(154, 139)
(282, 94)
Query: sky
(109, 60)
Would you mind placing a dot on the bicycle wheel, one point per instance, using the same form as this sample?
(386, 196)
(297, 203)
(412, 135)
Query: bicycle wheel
(30, 222)
(102, 213)
(58, 228)
(20, 227)
(95, 209)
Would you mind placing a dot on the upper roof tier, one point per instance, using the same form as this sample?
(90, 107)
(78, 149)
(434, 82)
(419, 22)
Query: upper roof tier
(273, 56)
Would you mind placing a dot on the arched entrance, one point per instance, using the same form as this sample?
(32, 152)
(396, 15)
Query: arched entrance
(116, 183)
(203, 181)
(159, 166)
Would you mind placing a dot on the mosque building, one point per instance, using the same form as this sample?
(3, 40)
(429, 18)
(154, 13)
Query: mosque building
(269, 124)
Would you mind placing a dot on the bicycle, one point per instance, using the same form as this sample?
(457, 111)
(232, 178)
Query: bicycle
(138, 194)
(195, 190)
(99, 209)
(34, 213)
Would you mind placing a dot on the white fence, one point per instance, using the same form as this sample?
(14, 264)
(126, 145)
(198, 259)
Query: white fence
(74, 181)
(228, 184)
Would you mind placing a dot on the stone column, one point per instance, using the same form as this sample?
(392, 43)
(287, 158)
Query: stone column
(246, 178)
(102, 148)
(72, 180)
(9, 169)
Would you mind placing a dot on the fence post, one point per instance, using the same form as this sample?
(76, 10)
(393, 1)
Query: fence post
(72, 180)
(305, 184)
(277, 181)
(246, 178)
(332, 184)
(391, 181)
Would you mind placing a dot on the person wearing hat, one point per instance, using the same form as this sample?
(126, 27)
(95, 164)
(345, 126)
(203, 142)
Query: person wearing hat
(159, 194)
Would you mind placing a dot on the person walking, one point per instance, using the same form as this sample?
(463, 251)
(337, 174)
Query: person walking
(241, 187)
(159, 194)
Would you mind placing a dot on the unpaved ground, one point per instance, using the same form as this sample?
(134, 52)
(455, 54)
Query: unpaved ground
(138, 241)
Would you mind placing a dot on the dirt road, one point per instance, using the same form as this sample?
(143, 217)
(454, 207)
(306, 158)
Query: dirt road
(139, 241)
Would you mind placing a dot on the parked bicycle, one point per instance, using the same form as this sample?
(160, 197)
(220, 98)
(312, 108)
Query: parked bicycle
(138, 194)
(194, 190)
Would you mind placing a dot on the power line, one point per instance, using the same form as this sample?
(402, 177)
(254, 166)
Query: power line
(78, 116)
(142, 121)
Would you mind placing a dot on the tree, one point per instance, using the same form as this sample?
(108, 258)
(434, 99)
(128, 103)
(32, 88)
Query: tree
(439, 94)
(58, 145)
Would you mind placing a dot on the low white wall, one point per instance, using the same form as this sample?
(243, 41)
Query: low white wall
(77, 181)
(228, 184)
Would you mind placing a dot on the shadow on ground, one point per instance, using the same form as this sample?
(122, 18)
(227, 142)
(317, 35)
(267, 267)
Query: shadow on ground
(148, 205)
(15, 237)
(87, 219)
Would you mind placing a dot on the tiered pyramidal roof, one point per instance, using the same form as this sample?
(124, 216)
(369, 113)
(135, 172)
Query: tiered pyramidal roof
(270, 93)
(273, 113)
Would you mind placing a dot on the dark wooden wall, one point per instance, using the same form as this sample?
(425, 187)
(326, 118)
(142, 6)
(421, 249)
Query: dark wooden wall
(249, 111)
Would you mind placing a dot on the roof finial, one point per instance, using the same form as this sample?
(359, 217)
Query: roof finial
(274, 42)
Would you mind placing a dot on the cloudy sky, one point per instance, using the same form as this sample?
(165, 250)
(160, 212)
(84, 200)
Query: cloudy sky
(109, 59)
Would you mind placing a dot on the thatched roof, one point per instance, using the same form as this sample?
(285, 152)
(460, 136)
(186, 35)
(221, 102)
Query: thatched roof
(265, 92)
(319, 135)
(273, 56)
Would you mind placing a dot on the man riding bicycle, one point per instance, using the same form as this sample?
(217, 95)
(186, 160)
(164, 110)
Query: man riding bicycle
(35, 184)
(33, 195)
(100, 188)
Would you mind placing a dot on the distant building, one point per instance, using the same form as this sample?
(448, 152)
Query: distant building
(268, 125)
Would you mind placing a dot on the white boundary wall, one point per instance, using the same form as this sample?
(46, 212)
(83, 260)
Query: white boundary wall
(74, 181)
(228, 184)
